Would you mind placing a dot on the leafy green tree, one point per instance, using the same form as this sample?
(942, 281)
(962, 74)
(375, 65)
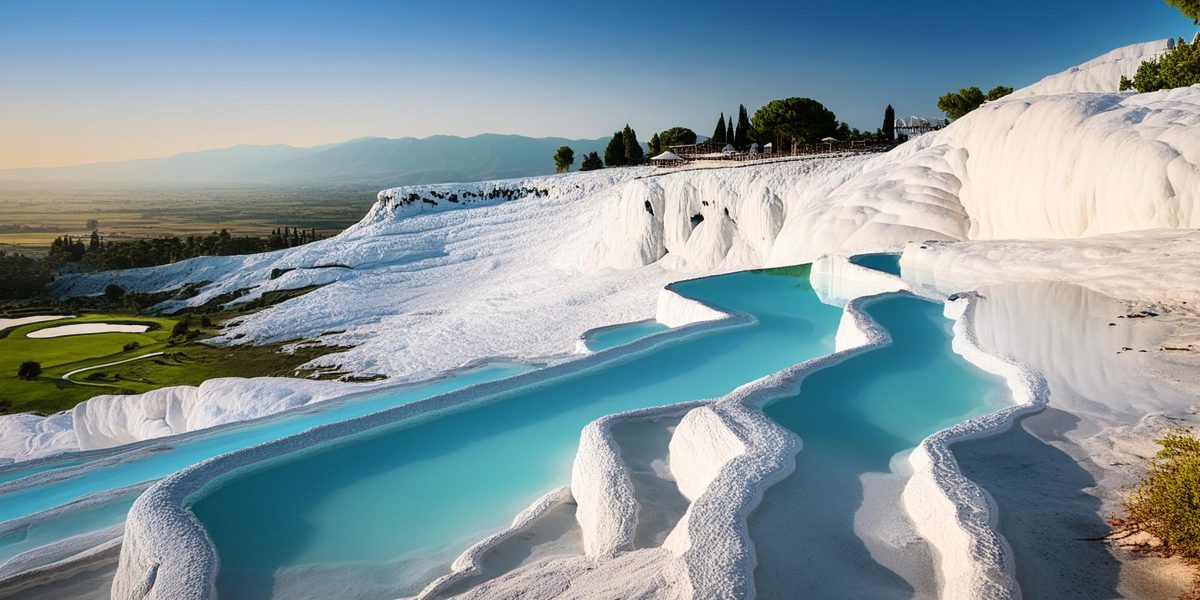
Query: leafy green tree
(998, 92)
(1179, 67)
(889, 124)
(29, 370)
(655, 144)
(591, 162)
(1189, 8)
(802, 119)
(564, 157)
(718, 136)
(957, 104)
(614, 153)
(633, 148)
(677, 136)
(741, 134)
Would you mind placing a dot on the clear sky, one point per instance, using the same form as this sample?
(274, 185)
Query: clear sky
(85, 81)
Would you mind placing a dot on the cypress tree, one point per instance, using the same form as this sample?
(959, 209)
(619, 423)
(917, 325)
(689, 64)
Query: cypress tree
(633, 148)
(889, 124)
(655, 144)
(614, 153)
(718, 136)
(729, 130)
(741, 135)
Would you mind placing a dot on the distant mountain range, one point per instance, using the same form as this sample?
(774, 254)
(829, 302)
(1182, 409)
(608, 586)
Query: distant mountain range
(373, 160)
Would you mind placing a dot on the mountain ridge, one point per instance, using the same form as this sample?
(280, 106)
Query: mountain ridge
(372, 159)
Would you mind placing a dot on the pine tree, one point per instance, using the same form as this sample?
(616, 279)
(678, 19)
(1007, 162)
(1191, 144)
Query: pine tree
(655, 144)
(633, 148)
(614, 153)
(889, 124)
(718, 136)
(741, 135)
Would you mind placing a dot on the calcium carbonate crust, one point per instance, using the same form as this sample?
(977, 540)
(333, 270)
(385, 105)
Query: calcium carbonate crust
(950, 511)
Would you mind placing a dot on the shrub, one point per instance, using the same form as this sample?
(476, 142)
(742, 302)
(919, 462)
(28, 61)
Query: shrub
(180, 329)
(113, 293)
(1179, 67)
(29, 370)
(1166, 503)
(205, 321)
(131, 346)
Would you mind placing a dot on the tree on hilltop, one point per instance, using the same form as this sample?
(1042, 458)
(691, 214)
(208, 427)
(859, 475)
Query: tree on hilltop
(741, 133)
(633, 148)
(563, 159)
(998, 92)
(802, 119)
(655, 144)
(614, 153)
(889, 124)
(591, 162)
(957, 104)
(718, 136)
(676, 136)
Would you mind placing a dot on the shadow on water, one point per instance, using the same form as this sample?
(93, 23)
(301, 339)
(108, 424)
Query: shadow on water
(1045, 510)
(853, 417)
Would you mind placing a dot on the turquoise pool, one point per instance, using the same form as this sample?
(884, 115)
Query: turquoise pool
(169, 455)
(853, 418)
(888, 263)
(619, 335)
(379, 515)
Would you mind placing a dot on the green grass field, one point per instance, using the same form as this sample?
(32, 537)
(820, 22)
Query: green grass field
(184, 362)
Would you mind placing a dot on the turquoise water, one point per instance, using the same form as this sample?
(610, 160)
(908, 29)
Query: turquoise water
(619, 335)
(15, 472)
(379, 515)
(853, 418)
(174, 454)
(47, 531)
(888, 263)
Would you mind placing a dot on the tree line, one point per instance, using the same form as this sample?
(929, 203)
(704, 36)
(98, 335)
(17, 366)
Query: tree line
(780, 122)
(109, 255)
(26, 277)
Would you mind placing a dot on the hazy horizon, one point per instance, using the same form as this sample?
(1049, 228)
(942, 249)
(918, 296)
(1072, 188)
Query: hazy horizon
(87, 82)
(298, 147)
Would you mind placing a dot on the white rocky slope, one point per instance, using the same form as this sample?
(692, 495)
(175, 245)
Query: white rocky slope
(438, 277)
(1101, 74)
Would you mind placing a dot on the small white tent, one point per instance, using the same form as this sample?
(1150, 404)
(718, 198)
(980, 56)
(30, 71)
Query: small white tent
(667, 156)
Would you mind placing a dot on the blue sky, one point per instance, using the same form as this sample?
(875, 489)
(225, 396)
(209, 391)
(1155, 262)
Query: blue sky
(86, 81)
